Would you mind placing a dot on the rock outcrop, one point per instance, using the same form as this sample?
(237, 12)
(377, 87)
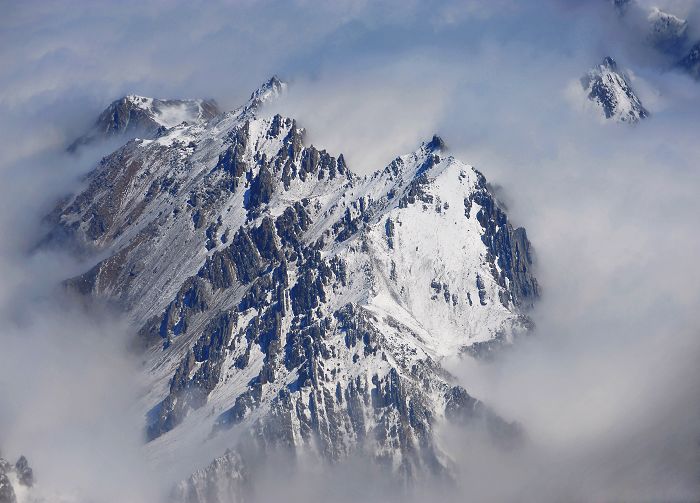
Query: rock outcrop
(13, 476)
(610, 91)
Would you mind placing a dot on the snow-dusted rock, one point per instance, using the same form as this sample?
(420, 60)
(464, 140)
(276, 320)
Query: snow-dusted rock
(281, 296)
(667, 32)
(609, 89)
(133, 116)
(15, 480)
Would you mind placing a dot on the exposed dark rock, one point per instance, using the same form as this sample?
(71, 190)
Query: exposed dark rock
(667, 33)
(24, 472)
(231, 162)
(508, 247)
(389, 229)
(261, 189)
(436, 144)
(7, 492)
(190, 300)
(609, 88)
(133, 116)
(188, 389)
(691, 61)
(416, 189)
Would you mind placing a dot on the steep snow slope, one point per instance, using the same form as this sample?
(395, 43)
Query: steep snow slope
(609, 90)
(286, 303)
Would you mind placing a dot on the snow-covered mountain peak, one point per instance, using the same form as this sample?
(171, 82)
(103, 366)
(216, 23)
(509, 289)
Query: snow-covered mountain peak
(163, 112)
(136, 99)
(667, 32)
(16, 481)
(414, 164)
(135, 115)
(277, 293)
(608, 88)
(436, 144)
(609, 64)
(266, 93)
(665, 22)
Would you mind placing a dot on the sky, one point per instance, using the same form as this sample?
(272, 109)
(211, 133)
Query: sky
(606, 386)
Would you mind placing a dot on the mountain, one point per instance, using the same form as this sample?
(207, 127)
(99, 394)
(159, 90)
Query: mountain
(691, 61)
(286, 304)
(667, 32)
(609, 89)
(133, 116)
(14, 479)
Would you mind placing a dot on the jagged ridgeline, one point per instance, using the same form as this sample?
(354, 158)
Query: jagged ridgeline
(280, 295)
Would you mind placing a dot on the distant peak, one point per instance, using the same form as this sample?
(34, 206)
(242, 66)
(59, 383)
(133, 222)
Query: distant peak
(135, 98)
(436, 144)
(667, 19)
(274, 81)
(609, 63)
(608, 87)
(134, 115)
(668, 33)
(269, 90)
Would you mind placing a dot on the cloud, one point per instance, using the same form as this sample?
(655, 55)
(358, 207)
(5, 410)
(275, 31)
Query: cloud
(605, 387)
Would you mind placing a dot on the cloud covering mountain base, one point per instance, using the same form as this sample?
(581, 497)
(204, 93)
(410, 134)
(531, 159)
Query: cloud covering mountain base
(606, 387)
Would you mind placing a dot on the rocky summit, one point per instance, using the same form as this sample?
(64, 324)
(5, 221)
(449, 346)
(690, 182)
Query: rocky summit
(284, 303)
(14, 478)
(667, 32)
(133, 116)
(609, 89)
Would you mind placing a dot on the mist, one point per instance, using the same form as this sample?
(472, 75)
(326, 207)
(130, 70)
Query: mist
(606, 386)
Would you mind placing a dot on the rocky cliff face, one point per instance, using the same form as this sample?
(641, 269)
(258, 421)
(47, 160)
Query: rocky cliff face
(288, 303)
(609, 89)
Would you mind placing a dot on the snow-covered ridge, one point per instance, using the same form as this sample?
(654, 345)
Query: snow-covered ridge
(135, 115)
(266, 93)
(16, 481)
(279, 294)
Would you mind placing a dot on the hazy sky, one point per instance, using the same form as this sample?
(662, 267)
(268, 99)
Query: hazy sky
(607, 387)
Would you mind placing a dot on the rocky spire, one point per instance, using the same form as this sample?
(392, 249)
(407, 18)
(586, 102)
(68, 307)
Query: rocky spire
(609, 89)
